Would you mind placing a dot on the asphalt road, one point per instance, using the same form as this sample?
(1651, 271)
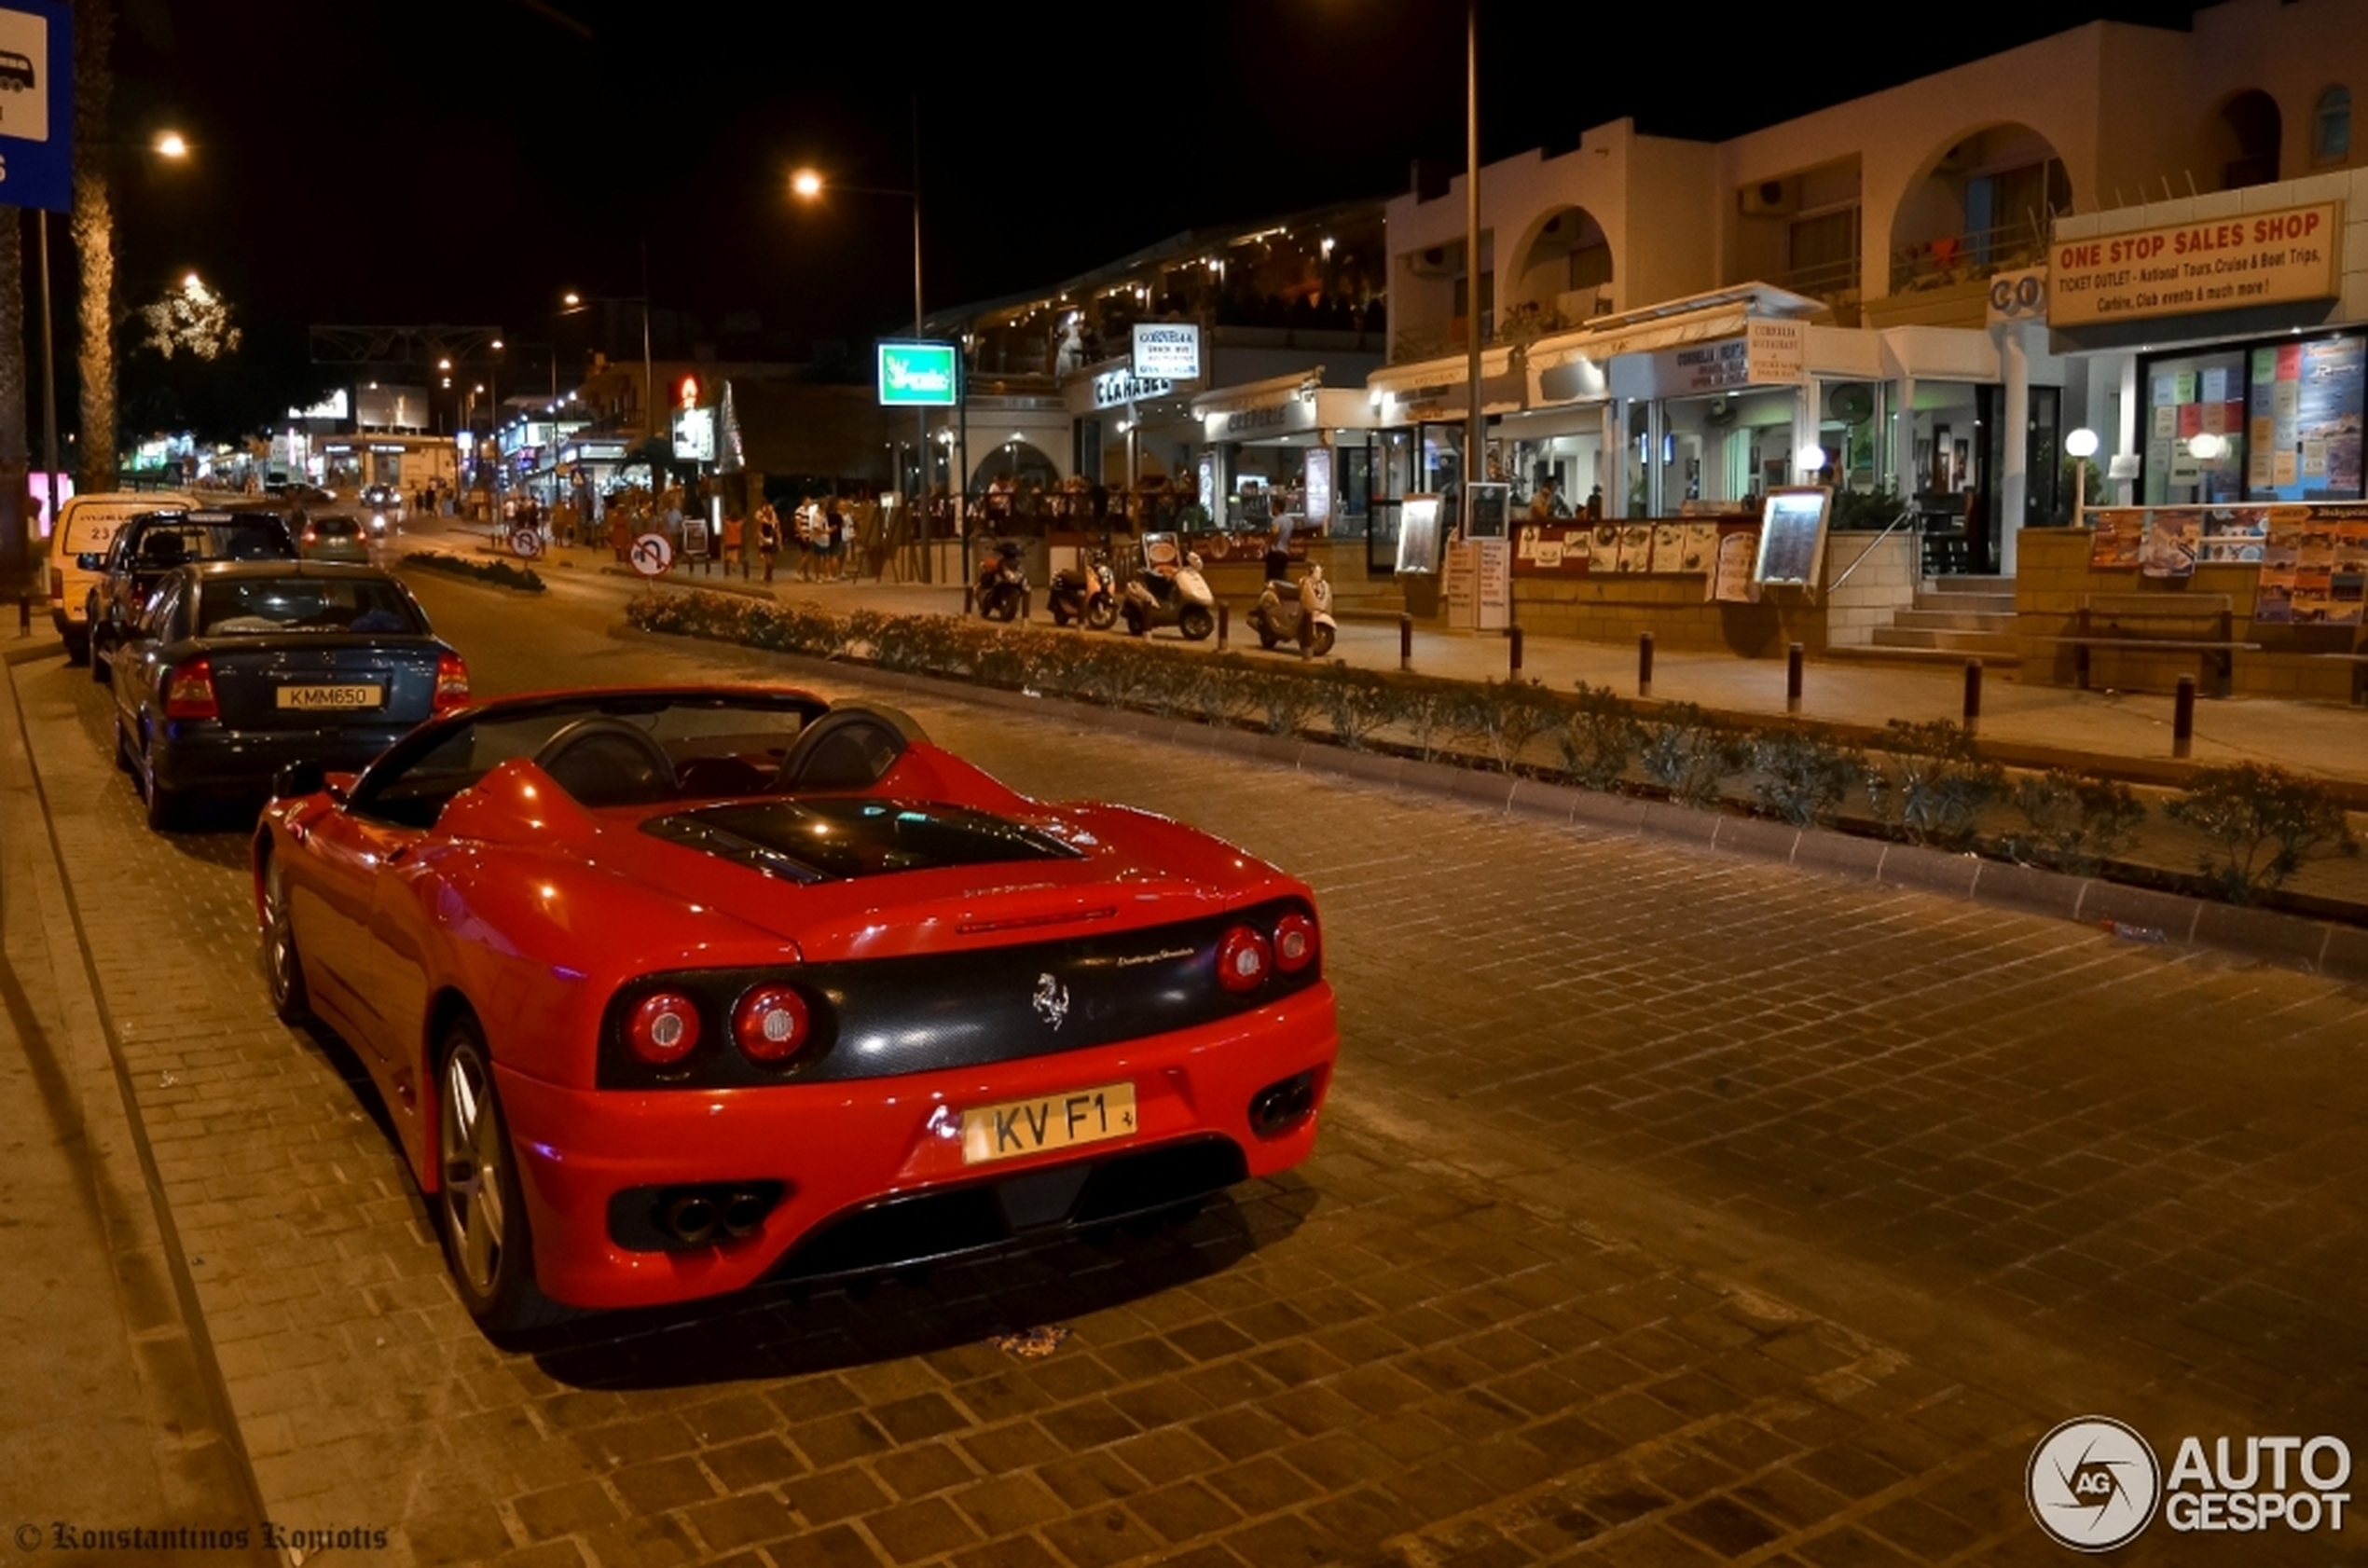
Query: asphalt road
(1671, 1208)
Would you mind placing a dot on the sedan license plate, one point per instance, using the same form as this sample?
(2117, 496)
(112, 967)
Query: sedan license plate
(1022, 1127)
(315, 698)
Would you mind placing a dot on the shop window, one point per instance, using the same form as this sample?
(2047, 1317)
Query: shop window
(2330, 134)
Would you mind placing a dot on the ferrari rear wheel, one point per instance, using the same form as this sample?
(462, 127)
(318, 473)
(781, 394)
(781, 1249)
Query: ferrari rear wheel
(282, 969)
(479, 1198)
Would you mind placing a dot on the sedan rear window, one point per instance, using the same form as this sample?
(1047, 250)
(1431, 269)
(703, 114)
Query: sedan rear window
(252, 605)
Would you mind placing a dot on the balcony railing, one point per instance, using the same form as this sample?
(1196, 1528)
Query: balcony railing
(1964, 258)
(1828, 280)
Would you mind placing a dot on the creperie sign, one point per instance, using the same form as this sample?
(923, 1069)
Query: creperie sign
(2260, 259)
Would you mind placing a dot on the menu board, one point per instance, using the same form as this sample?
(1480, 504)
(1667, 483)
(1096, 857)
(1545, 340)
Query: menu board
(2170, 543)
(1680, 546)
(1490, 505)
(2119, 537)
(1418, 533)
(2314, 567)
(1792, 536)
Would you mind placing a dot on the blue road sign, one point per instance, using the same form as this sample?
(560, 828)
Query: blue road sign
(36, 105)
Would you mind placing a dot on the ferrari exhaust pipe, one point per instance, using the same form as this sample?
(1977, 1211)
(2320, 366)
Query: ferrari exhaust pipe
(692, 1217)
(743, 1212)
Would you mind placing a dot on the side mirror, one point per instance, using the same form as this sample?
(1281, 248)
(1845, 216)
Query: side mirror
(298, 779)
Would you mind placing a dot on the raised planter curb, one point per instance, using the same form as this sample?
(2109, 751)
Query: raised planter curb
(2329, 948)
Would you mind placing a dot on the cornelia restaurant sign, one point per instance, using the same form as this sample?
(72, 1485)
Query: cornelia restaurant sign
(2219, 264)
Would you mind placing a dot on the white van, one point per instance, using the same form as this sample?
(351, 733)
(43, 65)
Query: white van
(85, 529)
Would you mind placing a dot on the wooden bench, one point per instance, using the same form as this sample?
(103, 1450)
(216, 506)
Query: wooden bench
(2199, 623)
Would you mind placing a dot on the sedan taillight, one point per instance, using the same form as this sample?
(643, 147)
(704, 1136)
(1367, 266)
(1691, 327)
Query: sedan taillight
(663, 1028)
(188, 691)
(451, 682)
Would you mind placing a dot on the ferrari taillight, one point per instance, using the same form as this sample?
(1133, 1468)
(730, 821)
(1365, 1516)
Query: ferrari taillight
(1294, 943)
(451, 682)
(663, 1028)
(771, 1023)
(1243, 960)
(188, 691)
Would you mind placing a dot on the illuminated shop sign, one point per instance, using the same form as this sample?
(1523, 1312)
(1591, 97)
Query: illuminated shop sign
(1167, 350)
(1114, 387)
(2260, 259)
(918, 375)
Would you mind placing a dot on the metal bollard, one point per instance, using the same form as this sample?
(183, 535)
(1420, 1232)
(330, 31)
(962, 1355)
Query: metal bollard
(970, 599)
(1972, 695)
(24, 614)
(1644, 664)
(2183, 718)
(1405, 640)
(1224, 623)
(1513, 636)
(1791, 678)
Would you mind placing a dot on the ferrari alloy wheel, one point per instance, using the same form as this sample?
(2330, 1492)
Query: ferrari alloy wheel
(282, 970)
(479, 1198)
(1195, 623)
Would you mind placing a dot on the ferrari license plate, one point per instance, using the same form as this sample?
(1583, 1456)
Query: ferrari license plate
(313, 697)
(1022, 1127)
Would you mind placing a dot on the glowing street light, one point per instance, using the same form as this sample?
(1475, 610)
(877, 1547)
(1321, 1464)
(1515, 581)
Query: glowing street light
(2080, 445)
(805, 185)
(170, 143)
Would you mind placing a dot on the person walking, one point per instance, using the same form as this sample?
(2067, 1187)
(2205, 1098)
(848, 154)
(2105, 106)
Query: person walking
(735, 534)
(834, 540)
(808, 524)
(768, 536)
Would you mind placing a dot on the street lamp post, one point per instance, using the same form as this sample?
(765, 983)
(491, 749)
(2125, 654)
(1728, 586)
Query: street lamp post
(808, 186)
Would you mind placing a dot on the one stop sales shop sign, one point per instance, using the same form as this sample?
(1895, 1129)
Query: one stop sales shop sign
(37, 105)
(2217, 264)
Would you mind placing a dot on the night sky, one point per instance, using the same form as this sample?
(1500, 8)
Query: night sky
(465, 160)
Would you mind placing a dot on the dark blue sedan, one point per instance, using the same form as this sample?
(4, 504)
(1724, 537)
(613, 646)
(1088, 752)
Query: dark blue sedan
(236, 669)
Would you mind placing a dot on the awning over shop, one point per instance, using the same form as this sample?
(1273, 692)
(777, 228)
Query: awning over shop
(1403, 382)
(1699, 318)
(1280, 407)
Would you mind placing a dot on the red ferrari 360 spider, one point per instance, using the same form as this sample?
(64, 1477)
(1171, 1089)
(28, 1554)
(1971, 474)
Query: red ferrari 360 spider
(671, 992)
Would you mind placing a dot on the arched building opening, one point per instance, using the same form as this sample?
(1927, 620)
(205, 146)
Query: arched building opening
(1562, 277)
(1984, 206)
(2245, 138)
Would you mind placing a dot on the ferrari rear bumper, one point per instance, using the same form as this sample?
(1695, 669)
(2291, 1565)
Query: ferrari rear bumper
(874, 1175)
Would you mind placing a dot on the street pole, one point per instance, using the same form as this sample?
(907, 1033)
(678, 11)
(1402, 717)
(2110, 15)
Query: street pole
(1475, 459)
(920, 415)
(49, 374)
(648, 384)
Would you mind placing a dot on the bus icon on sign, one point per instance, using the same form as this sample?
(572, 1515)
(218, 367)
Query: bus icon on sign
(16, 72)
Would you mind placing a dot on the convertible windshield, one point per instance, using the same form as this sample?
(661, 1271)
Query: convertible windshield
(253, 607)
(412, 782)
(825, 839)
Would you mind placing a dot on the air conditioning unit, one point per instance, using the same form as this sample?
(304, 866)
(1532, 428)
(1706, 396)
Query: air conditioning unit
(1439, 261)
(1770, 198)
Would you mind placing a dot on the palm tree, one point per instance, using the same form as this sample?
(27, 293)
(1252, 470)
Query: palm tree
(93, 244)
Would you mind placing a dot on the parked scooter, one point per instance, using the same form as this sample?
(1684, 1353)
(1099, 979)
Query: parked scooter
(1088, 596)
(1001, 586)
(1169, 591)
(1276, 616)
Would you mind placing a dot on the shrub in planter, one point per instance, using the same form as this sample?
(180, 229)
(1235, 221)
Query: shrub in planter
(1357, 703)
(1431, 712)
(500, 574)
(1930, 783)
(862, 629)
(2263, 822)
(1502, 720)
(2071, 823)
(1688, 755)
(1801, 777)
(1285, 700)
(1598, 738)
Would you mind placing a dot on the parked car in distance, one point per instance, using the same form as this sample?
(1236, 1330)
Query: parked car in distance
(235, 669)
(334, 537)
(147, 546)
(86, 526)
(671, 991)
